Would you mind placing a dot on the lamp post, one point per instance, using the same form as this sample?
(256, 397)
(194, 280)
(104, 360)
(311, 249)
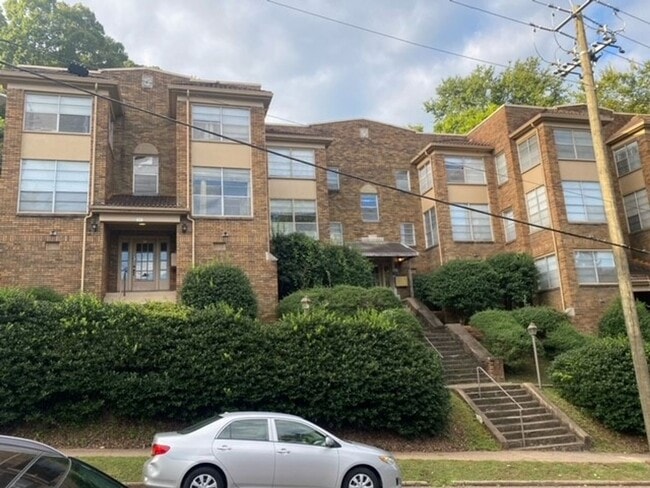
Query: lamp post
(532, 330)
(306, 303)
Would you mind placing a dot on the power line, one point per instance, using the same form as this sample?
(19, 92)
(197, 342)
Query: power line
(314, 165)
(617, 9)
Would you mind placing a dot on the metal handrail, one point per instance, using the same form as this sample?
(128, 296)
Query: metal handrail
(124, 274)
(521, 409)
(434, 347)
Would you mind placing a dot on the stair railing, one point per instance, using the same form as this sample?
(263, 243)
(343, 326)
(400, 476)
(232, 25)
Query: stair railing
(480, 370)
(434, 347)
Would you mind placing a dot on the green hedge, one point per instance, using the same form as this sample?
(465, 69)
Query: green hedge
(599, 377)
(612, 323)
(504, 337)
(547, 319)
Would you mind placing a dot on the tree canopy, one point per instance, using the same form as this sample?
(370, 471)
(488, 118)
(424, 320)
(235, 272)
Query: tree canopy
(624, 91)
(53, 33)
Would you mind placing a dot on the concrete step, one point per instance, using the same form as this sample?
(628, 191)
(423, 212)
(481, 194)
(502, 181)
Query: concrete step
(542, 441)
(564, 446)
(502, 422)
(538, 433)
(507, 404)
(511, 412)
(529, 425)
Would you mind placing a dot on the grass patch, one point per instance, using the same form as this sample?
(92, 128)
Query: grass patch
(125, 469)
(463, 422)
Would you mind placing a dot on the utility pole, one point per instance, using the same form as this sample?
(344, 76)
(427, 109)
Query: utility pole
(615, 232)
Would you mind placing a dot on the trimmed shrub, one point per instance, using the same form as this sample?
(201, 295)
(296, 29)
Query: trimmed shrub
(343, 265)
(612, 323)
(219, 283)
(599, 377)
(405, 320)
(422, 289)
(504, 337)
(563, 338)
(547, 319)
(45, 293)
(516, 279)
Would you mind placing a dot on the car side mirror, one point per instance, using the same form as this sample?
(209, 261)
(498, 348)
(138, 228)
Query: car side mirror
(329, 442)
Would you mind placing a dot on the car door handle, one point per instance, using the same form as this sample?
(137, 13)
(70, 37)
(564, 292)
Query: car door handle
(284, 451)
(224, 448)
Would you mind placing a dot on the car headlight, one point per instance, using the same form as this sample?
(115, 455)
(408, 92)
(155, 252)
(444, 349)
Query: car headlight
(388, 460)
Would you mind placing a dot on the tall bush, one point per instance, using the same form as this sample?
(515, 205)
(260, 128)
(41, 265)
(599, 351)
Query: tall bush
(219, 283)
(516, 279)
(612, 323)
(503, 337)
(547, 319)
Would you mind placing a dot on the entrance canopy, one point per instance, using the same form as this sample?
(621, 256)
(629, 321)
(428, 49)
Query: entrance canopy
(378, 249)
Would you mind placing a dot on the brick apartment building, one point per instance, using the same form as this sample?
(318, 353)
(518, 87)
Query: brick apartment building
(98, 194)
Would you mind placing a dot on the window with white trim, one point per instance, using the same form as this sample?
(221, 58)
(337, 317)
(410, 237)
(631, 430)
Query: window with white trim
(627, 158)
(430, 228)
(370, 207)
(470, 226)
(501, 167)
(509, 228)
(574, 144)
(583, 201)
(595, 267)
(336, 233)
(528, 151)
(537, 204)
(233, 123)
(465, 170)
(403, 180)
(407, 233)
(281, 166)
(58, 113)
(426, 178)
(145, 175)
(221, 192)
(637, 210)
(549, 275)
(53, 187)
(333, 180)
(289, 216)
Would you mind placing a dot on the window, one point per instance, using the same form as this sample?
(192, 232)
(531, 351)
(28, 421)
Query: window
(573, 144)
(549, 277)
(54, 186)
(537, 204)
(283, 167)
(430, 228)
(509, 226)
(145, 175)
(465, 170)
(246, 430)
(501, 166)
(426, 179)
(336, 233)
(298, 433)
(583, 201)
(233, 123)
(407, 234)
(595, 267)
(369, 207)
(637, 210)
(333, 181)
(220, 192)
(468, 225)
(627, 158)
(289, 216)
(58, 113)
(403, 180)
(528, 153)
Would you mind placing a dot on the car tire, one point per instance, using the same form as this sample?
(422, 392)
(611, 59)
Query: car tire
(204, 477)
(361, 478)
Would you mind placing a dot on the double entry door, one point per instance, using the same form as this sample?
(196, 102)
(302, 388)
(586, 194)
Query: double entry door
(144, 264)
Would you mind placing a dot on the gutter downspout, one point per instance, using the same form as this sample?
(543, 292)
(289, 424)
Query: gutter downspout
(188, 167)
(91, 196)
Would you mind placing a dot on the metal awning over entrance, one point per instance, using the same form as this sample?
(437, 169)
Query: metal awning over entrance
(378, 249)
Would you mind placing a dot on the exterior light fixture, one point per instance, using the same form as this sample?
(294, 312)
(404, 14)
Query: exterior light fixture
(532, 330)
(305, 303)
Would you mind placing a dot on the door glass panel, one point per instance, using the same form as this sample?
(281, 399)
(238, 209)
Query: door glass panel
(144, 261)
(164, 261)
(124, 261)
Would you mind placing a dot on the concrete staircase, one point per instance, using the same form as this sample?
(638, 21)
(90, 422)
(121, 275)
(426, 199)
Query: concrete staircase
(544, 426)
(458, 365)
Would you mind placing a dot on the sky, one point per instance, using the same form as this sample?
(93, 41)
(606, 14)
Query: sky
(323, 70)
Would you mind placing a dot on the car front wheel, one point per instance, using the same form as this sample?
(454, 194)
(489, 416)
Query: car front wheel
(205, 477)
(361, 478)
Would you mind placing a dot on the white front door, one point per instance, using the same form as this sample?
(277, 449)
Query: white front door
(144, 264)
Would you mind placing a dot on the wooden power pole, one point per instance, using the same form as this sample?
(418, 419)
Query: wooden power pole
(615, 232)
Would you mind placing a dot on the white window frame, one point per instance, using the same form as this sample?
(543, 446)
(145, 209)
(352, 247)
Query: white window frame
(590, 269)
(284, 164)
(583, 201)
(509, 227)
(407, 233)
(54, 108)
(295, 224)
(426, 178)
(366, 209)
(529, 153)
(538, 209)
(219, 178)
(140, 173)
(549, 273)
(220, 121)
(501, 168)
(575, 149)
(627, 158)
(336, 233)
(333, 179)
(403, 180)
(430, 228)
(465, 170)
(49, 182)
(637, 210)
(472, 224)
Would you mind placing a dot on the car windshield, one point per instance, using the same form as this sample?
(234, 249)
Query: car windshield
(199, 425)
(83, 475)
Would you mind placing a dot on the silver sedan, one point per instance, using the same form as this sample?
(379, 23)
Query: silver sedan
(264, 449)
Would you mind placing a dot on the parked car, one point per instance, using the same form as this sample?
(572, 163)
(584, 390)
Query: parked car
(265, 449)
(30, 464)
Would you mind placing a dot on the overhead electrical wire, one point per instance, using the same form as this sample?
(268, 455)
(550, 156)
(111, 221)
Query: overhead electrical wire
(617, 9)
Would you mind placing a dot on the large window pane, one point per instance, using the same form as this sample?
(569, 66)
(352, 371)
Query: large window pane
(538, 212)
(528, 151)
(221, 192)
(289, 216)
(595, 267)
(470, 225)
(573, 144)
(627, 158)
(369, 207)
(637, 210)
(54, 186)
(426, 179)
(233, 123)
(583, 201)
(430, 228)
(56, 113)
(287, 164)
(465, 170)
(549, 276)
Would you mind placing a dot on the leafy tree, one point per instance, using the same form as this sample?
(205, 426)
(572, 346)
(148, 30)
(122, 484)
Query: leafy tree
(517, 278)
(461, 102)
(624, 91)
(53, 33)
